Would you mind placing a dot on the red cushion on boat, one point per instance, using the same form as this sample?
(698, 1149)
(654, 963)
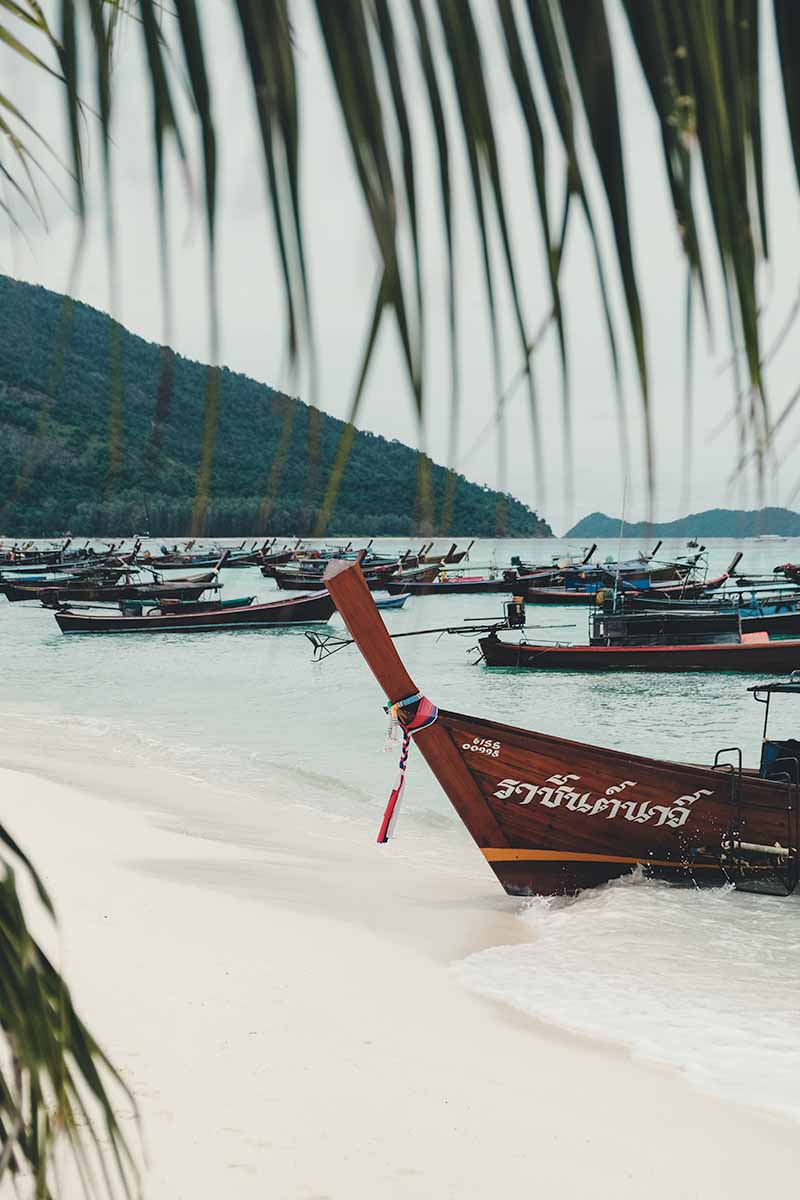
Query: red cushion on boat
(755, 637)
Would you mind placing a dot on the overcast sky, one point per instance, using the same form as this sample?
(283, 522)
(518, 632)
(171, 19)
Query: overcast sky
(343, 269)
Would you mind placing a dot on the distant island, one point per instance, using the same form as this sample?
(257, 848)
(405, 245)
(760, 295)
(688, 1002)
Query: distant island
(103, 433)
(714, 522)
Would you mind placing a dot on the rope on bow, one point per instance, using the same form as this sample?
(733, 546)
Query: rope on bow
(425, 715)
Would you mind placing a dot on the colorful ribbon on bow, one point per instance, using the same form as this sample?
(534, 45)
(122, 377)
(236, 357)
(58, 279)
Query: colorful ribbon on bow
(425, 715)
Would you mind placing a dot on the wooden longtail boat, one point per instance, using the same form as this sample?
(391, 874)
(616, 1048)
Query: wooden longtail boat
(559, 562)
(465, 585)
(653, 641)
(775, 614)
(378, 579)
(299, 581)
(751, 655)
(669, 591)
(552, 816)
(584, 586)
(30, 559)
(560, 596)
(218, 557)
(390, 601)
(746, 601)
(72, 566)
(274, 558)
(299, 610)
(453, 555)
(191, 587)
(59, 578)
(28, 553)
(643, 566)
(631, 571)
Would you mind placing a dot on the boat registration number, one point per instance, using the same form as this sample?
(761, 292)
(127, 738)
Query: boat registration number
(483, 746)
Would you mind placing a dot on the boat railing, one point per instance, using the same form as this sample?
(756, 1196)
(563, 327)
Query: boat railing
(754, 866)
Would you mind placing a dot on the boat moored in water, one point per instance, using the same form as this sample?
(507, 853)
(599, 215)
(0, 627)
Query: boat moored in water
(191, 587)
(316, 608)
(653, 641)
(553, 816)
(390, 601)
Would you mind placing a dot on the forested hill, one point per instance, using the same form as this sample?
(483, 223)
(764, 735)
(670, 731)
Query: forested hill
(714, 522)
(103, 432)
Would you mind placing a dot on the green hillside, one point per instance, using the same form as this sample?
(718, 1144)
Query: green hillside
(102, 432)
(714, 522)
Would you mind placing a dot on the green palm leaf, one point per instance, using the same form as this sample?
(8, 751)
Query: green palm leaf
(55, 1081)
(699, 58)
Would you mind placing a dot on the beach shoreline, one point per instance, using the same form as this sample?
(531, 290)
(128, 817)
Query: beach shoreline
(283, 1006)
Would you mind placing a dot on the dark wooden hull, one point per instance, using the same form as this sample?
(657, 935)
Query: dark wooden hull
(443, 560)
(574, 815)
(785, 622)
(380, 579)
(61, 579)
(202, 560)
(669, 572)
(756, 657)
(555, 595)
(552, 816)
(664, 591)
(112, 594)
(450, 587)
(81, 567)
(279, 558)
(302, 583)
(301, 610)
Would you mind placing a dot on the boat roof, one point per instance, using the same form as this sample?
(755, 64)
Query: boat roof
(792, 685)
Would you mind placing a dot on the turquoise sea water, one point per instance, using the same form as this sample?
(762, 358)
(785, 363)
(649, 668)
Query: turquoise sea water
(252, 707)
(253, 711)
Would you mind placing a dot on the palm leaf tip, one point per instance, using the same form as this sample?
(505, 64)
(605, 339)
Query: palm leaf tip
(57, 1086)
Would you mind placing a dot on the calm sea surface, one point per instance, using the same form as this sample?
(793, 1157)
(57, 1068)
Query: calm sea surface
(716, 974)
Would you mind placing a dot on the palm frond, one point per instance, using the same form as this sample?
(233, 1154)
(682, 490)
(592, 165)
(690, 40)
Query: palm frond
(56, 1083)
(700, 60)
(553, 64)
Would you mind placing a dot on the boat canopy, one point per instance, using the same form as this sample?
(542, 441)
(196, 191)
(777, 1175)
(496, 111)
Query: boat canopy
(762, 691)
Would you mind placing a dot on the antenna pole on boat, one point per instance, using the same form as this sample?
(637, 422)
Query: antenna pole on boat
(619, 541)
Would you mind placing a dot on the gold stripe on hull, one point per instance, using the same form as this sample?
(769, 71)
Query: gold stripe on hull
(509, 855)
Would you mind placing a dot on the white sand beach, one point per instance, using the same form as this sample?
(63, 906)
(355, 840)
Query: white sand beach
(283, 1007)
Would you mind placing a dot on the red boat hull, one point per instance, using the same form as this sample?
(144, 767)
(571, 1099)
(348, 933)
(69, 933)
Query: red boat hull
(758, 657)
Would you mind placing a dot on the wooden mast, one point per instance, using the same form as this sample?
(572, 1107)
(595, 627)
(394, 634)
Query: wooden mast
(346, 584)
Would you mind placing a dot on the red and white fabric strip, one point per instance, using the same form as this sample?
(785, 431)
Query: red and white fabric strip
(425, 715)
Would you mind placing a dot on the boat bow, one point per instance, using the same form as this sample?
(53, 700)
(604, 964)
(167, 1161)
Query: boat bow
(346, 584)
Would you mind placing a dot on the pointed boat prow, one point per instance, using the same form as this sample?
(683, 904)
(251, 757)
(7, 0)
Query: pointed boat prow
(347, 586)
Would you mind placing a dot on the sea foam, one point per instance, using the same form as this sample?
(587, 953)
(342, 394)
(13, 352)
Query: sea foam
(704, 981)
